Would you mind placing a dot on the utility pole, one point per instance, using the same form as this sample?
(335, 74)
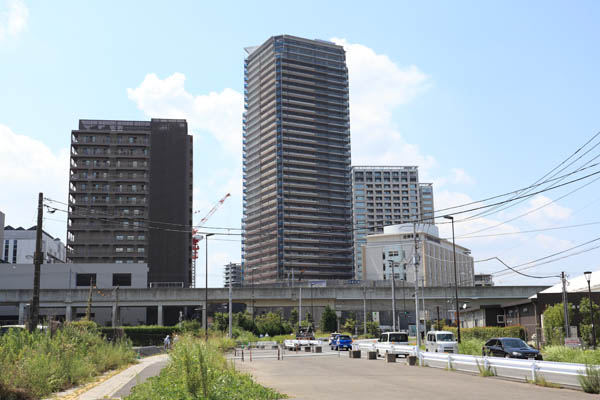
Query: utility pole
(393, 265)
(404, 297)
(230, 305)
(364, 310)
(300, 308)
(423, 300)
(206, 288)
(565, 303)
(416, 263)
(451, 218)
(38, 259)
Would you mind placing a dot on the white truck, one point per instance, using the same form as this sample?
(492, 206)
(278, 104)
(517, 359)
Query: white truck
(389, 341)
(441, 342)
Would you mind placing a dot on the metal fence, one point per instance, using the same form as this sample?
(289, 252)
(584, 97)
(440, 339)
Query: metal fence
(565, 374)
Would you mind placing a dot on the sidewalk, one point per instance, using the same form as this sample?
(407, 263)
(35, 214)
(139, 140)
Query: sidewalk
(111, 386)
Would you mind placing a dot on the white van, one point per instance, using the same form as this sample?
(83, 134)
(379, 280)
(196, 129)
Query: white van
(388, 338)
(441, 342)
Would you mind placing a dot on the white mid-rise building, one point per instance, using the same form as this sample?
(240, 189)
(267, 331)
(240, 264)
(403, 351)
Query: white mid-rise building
(19, 246)
(394, 250)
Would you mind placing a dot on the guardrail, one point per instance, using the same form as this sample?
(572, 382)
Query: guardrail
(554, 372)
(300, 343)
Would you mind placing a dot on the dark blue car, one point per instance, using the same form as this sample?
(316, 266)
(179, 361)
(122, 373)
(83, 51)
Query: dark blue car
(510, 348)
(342, 342)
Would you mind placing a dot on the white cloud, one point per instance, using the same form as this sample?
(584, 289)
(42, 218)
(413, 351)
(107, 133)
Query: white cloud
(27, 167)
(220, 114)
(377, 87)
(13, 20)
(543, 212)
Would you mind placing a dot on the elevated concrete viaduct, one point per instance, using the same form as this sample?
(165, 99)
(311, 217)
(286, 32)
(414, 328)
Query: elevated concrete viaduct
(345, 299)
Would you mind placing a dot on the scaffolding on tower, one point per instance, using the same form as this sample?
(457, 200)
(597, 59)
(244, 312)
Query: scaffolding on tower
(197, 237)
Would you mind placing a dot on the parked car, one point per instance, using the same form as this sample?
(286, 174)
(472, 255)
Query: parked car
(342, 342)
(510, 348)
(441, 342)
(387, 338)
(305, 333)
(332, 338)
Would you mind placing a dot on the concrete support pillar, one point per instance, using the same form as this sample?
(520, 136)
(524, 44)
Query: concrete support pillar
(69, 313)
(116, 317)
(22, 313)
(159, 320)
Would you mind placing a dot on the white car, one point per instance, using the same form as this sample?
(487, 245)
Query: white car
(386, 339)
(441, 342)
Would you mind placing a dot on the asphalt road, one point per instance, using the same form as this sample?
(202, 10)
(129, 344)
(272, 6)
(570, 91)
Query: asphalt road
(150, 371)
(327, 377)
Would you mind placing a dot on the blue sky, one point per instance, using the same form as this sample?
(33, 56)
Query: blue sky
(486, 97)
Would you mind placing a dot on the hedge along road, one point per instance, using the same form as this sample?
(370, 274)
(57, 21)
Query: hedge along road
(330, 377)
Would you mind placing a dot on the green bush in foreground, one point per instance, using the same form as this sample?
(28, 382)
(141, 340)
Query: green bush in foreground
(590, 380)
(471, 346)
(38, 363)
(566, 354)
(198, 370)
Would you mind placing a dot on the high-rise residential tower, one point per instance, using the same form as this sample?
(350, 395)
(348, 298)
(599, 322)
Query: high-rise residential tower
(297, 185)
(130, 196)
(386, 196)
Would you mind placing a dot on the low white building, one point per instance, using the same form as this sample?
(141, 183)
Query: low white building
(394, 248)
(19, 246)
(103, 277)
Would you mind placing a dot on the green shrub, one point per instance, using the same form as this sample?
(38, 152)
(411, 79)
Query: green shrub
(198, 370)
(329, 320)
(143, 335)
(38, 363)
(590, 380)
(471, 346)
(488, 332)
(566, 354)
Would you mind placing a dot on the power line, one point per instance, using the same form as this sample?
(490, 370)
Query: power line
(524, 232)
(520, 273)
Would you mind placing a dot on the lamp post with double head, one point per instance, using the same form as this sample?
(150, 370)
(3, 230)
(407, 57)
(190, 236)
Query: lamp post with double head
(588, 278)
(451, 218)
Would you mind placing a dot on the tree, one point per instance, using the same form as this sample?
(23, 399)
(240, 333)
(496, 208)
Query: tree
(328, 320)
(244, 321)
(272, 324)
(294, 317)
(554, 323)
(309, 318)
(373, 329)
(586, 321)
(221, 321)
(349, 325)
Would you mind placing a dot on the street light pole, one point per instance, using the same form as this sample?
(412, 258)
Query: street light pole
(206, 288)
(393, 265)
(588, 277)
(451, 218)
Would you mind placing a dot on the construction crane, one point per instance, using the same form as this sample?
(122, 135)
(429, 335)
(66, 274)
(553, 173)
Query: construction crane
(196, 237)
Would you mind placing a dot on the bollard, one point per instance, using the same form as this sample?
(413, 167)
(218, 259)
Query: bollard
(307, 349)
(390, 357)
(533, 371)
(411, 360)
(250, 350)
(449, 361)
(372, 355)
(318, 349)
(278, 353)
(242, 355)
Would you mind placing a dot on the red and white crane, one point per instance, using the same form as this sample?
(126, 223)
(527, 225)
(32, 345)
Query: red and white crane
(196, 237)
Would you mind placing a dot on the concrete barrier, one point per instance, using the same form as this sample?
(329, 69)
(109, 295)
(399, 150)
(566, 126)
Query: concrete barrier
(354, 353)
(318, 349)
(411, 360)
(372, 355)
(390, 357)
(307, 349)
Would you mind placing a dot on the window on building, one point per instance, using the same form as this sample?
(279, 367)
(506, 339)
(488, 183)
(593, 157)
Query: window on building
(85, 279)
(6, 250)
(121, 280)
(14, 255)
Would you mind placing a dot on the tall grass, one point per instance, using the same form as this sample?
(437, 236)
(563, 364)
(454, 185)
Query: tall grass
(39, 363)
(471, 346)
(566, 354)
(198, 370)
